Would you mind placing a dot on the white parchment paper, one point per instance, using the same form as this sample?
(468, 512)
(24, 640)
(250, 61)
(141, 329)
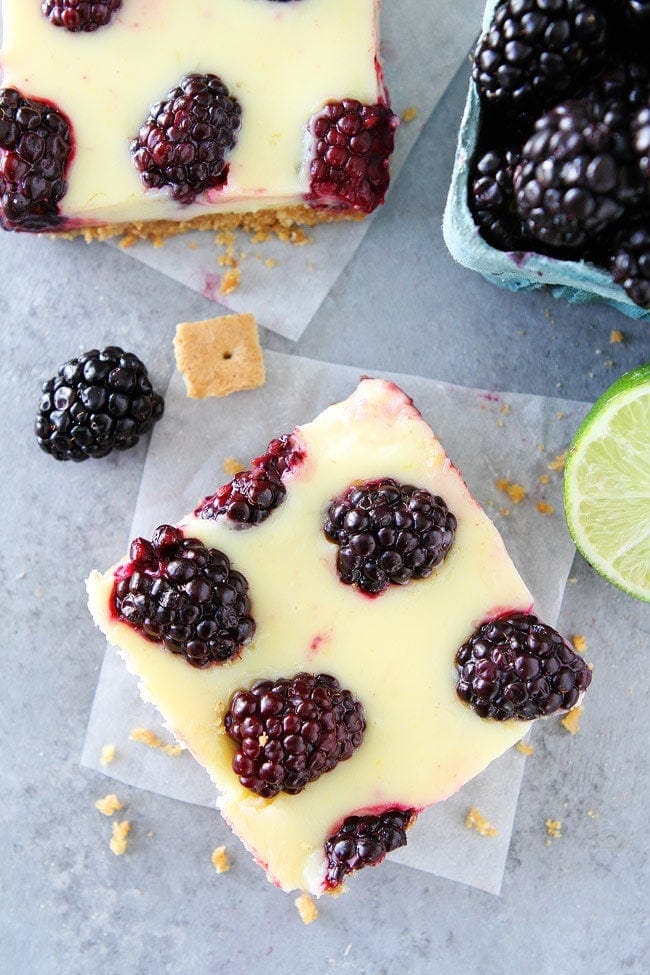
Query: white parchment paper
(487, 435)
(423, 42)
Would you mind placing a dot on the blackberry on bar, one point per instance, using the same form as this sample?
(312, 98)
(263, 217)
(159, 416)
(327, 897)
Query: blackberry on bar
(518, 667)
(290, 731)
(252, 495)
(184, 142)
(177, 592)
(388, 532)
(35, 148)
(352, 144)
(80, 15)
(535, 51)
(364, 841)
(98, 402)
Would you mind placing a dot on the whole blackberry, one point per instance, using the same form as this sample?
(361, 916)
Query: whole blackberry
(290, 731)
(630, 263)
(364, 841)
(352, 144)
(576, 173)
(252, 495)
(177, 592)
(492, 200)
(185, 139)
(388, 533)
(98, 402)
(517, 667)
(76, 15)
(626, 83)
(35, 148)
(537, 50)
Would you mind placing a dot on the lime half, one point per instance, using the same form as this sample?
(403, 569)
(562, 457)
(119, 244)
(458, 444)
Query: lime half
(607, 484)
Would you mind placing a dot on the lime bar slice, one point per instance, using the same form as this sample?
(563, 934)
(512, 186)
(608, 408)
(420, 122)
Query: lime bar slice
(607, 484)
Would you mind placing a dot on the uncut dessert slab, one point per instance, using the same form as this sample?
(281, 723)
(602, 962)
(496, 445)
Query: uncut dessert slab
(456, 855)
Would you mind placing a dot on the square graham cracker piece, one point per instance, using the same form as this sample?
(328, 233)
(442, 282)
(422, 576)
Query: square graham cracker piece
(219, 356)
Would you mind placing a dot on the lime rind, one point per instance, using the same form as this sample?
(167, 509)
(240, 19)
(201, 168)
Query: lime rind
(607, 484)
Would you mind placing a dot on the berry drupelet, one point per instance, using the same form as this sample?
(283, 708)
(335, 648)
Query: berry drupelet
(352, 144)
(364, 841)
(186, 138)
(517, 667)
(576, 173)
(252, 495)
(98, 402)
(535, 50)
(388, 533)
(289, 732)
(80, 15)
(35, 149)
(180, 593)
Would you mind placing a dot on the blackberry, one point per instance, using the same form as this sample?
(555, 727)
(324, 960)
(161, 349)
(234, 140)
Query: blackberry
(536, 50)
(177, 592)
(630, 263)
(364, 841)
(97, 402)
(252, 495)
(576, 173)
(492, 200)
(388, 532)
(35, 149)
(517, 667)
(290, 731)
(627, 83)
(76, 15)
(185, 139)
(351, 147)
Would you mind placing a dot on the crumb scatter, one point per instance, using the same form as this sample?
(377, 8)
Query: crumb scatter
(571, 720)
(148, 738)
(109, 804)
(306, 908)
(119, 838)
(107, 755)
(220, 860)
(476, 820)
(524, 748)
(579, 642)
(516, 492)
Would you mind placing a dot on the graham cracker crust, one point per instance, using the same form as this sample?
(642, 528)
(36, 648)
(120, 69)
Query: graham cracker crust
(281, 222)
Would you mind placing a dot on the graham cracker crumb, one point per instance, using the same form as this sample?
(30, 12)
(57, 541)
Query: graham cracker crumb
(410, 113)
(505, 512)
(192, 245)
(219, 356)
(505, 409)
(107, 755)
(263, 740)
(306, 908)
(571, 721)
(615, 336)
(232, 466)
(579, 642)
(108, 805)
(226, 238)
(545, 508)
(476, 820)
(226, 260)
(525, 749)
(270, 262)
(554, 830)
(118, 839)
(515, 492)
(558, 463)
(128, 240)
(560, 415)
(544, 478)
(146, 737)
(230, 281)
(220, 860)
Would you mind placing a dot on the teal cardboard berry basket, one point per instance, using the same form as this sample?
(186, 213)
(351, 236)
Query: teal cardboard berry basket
(576, 281)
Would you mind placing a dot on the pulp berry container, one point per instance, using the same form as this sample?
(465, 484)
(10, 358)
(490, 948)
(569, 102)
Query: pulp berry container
(577, 281)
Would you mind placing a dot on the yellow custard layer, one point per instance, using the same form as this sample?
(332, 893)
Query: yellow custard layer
(395, 652)
(282, 61)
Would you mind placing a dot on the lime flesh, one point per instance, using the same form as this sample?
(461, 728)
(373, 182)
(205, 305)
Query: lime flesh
(607, 484)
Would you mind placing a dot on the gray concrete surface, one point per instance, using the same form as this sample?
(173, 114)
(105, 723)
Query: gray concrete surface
(69, 907)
